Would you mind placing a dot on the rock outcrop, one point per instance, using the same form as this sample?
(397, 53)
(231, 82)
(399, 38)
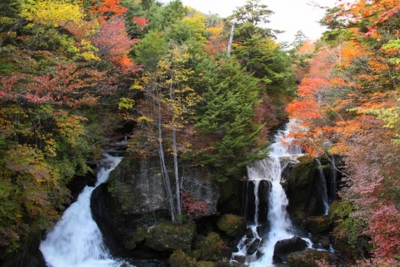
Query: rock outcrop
(135, 197)
(286, 246)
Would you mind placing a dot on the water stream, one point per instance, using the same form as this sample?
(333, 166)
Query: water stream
(76, 240)
(280, 227)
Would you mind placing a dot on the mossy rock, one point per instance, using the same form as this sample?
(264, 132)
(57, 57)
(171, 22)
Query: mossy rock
(214, 249)
(306, 258)
(318, 224)
(229, 196)
(198, 241)
(195, 254)
(180, 259)
(300, 183)
(206, 264)
(136, 237)
(166, 236)
(232, 225)
(332, 208)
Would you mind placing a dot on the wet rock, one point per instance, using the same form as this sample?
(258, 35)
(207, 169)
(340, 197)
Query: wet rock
(299, 186)
(286, 246)
(249, 233)
(263, 229)
(239, 258)
(254, 246)
(325, 243)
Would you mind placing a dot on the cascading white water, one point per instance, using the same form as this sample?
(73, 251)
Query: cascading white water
(270, 168)
(76, 240)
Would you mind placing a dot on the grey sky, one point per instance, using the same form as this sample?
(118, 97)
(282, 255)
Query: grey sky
(290, 15)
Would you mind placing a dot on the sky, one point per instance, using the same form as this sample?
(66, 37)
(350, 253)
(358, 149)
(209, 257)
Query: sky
(290, 15)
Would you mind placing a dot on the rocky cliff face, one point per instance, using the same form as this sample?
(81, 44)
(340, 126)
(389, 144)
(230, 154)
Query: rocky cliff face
(135, 196)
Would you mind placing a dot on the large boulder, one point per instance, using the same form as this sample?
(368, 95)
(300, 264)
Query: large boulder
(180, 259)
(318, 224)
(230, 195)
(214, 249)
(232, 225)
(299, 186)
(135, 196)
(206, 264)
(166, 236)
(138, 187)
(307, 258)
(286, 246)
(28, 255)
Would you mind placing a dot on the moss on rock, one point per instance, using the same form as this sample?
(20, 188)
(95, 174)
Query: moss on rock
(206, 264)
(318, 224)
(307, 258)
(180, 259)
(300, 183)
(214, 249)
(229, 196)
(232, 225)
(166, 236)
(136, 237)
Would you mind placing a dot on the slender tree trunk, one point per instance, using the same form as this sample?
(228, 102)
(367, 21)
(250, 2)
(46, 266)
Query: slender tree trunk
(164, 171)
(175, 153)
(178, 189)
(228, 53)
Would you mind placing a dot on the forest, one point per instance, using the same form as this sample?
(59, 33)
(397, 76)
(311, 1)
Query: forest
(76, 76)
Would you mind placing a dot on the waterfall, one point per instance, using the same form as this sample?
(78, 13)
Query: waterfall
(280, 227)
(323, 189)
(76, 240)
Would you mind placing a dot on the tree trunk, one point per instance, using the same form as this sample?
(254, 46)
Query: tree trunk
(164, 171)
(231, 39)
(175, 153)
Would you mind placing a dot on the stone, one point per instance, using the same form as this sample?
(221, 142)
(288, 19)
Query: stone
(318, 224)
(205, 264)
(180, 259)
(214, 249)
(138, 236)
(325, 243)
(166, 236)
(239, 258)
(232, 225)
(137, 185)
(299, 186)
(307, 258)
(135, 196)
(254, 246)
(284, 247)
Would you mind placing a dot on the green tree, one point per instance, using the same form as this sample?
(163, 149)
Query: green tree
(255, 47)
(226, 132)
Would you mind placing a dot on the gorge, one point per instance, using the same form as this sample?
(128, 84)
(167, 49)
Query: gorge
(77, 241)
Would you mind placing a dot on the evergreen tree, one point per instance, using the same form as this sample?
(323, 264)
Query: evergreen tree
(227, 133)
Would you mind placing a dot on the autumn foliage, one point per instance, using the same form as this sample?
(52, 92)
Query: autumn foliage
(348, 105)
(58, 61)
